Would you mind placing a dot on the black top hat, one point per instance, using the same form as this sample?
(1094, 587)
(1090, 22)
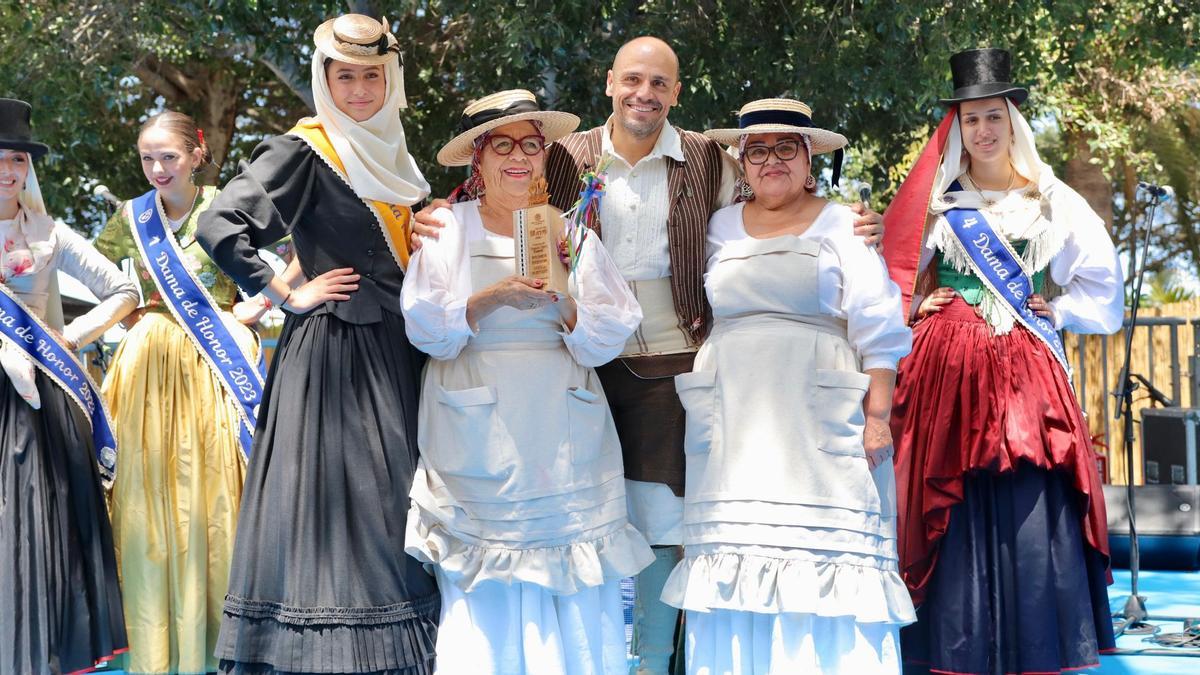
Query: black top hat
(15, 133)
(983, 73)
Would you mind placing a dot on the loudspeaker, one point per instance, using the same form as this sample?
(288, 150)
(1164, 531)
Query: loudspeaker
(1169, 445)
(1168, 524)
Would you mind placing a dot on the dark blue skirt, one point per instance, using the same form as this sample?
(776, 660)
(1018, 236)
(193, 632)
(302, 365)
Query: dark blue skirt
(1016, 589)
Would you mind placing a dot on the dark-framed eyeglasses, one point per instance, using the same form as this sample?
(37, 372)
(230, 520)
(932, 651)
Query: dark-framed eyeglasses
(784, 150)
(504, 145)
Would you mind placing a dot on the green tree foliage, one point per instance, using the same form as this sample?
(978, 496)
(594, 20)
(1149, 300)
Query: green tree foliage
(1104, 73)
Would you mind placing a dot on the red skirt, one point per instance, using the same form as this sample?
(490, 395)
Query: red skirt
(968, 401)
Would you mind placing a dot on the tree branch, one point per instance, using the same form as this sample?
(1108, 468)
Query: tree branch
(291, 73)
(168, 80)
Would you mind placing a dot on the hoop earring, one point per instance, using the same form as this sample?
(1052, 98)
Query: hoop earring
(810, 182)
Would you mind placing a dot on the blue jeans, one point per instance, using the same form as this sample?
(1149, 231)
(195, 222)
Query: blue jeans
(654, 621)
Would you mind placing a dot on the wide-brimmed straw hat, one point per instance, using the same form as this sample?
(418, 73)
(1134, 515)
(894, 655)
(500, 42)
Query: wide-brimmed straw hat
(496, 110)
(357, 39)
(779, 116)
(983, 73)
(15, 130)
(784, 116)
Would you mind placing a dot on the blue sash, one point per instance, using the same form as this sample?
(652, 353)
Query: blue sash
(1000, 269)
(196, 311)
(21, 327)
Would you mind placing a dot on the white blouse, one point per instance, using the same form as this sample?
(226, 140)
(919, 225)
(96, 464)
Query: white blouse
(1077, 251)
(635, 206)
(853, 282)
(437, 286)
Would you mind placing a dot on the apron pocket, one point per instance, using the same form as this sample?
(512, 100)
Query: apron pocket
(838, 404)
(698, 394)
(471, 437)
(587, 415)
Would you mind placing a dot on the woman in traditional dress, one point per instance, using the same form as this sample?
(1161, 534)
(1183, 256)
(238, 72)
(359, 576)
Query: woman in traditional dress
(60, 605)
(174, 504)
(789, 511)
(1002, 540)
(320, 581)
(519, 498)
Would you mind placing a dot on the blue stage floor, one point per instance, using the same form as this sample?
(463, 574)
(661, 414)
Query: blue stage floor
(1174, 594)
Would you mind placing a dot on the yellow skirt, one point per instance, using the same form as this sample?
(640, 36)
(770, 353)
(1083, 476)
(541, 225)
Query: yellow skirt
(174, 504)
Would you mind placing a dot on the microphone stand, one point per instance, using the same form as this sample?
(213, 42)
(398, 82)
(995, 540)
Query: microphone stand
(1134, 614)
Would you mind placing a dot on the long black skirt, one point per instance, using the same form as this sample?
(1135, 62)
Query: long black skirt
(1016, 589)
(320, 581)
(60, 602)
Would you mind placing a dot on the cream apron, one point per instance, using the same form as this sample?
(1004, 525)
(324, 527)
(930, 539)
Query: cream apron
(782, 512)
(520, 474)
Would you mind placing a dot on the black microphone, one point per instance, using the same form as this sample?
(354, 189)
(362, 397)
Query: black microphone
(104, 193)
(864, 194)
(1160, 191)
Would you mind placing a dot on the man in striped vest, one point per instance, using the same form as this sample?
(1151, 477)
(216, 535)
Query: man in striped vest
(662, 185)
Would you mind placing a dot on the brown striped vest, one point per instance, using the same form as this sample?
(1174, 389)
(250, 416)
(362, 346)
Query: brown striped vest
(693, 190)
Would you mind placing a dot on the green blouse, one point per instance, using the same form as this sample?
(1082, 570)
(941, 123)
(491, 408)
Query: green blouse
(969, 286)
(116, 243)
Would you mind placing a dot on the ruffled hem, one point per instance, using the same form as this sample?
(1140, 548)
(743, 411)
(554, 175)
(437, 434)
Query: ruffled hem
(320, 616)
(563, 570)
(260, 642)
(774, 586)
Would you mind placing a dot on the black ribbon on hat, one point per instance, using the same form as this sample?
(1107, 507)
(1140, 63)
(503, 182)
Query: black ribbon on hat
(795, 119)
(468, 122)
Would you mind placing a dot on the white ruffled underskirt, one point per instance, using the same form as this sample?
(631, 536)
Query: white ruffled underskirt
(563, 567)
(869, 591)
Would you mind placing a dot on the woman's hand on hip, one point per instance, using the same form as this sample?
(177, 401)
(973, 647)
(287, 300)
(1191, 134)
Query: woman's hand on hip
(934, 302)
(248, 312)
(334, 285)
(1040, 306)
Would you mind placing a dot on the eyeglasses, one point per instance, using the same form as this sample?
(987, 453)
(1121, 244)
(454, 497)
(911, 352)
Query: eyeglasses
(504, 145)
(784, 150)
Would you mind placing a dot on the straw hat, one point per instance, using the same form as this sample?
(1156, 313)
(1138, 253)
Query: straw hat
(496, 110)
(357, 39)
(15, 132)
(776, 116)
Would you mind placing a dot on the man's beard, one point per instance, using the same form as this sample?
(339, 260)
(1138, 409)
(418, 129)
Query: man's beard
(641, 129)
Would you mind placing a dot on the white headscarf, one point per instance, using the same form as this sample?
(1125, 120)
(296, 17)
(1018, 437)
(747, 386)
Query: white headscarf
(1064, 209)
(33, 222)
(374, 152)
(955, 162)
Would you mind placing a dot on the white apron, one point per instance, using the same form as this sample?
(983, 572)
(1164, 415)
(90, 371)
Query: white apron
(782, 513)
(520, 476)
